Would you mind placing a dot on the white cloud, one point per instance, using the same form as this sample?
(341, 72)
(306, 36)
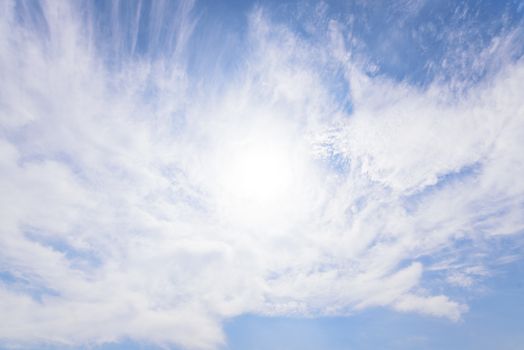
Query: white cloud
(139, 203)
(435, 306)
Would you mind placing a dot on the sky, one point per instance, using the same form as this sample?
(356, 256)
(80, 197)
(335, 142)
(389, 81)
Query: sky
(232, 175)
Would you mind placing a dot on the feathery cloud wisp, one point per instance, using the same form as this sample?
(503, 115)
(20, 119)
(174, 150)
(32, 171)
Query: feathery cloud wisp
(145, 196)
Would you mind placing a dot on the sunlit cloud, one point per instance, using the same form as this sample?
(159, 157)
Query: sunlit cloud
(152, 190)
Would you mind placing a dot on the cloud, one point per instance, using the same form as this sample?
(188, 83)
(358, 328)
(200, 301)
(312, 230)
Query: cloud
(141, 199)
(435, 306)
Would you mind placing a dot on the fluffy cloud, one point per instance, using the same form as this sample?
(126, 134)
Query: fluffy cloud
(140, 200)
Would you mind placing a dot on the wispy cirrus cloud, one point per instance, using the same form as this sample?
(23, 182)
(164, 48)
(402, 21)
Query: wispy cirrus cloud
(146, 197)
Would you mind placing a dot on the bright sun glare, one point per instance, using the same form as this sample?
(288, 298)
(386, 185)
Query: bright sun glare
(258, 173)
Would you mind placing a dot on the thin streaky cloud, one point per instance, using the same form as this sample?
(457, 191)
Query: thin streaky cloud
(155, 184)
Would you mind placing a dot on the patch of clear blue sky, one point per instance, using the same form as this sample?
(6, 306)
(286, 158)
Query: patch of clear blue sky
(403, 42)
(409, 40)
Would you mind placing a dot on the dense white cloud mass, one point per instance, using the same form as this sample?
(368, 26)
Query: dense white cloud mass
(139, 200)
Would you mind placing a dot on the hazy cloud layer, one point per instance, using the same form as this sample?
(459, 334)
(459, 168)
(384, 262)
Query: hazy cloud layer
(144, 195)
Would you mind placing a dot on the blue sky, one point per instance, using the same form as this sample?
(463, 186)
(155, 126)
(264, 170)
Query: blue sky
(261, 175)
